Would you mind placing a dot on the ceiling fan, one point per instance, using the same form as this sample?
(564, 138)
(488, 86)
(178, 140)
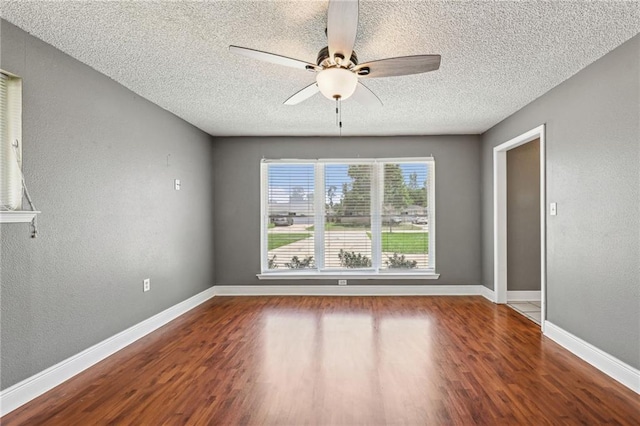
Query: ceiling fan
(337, 69)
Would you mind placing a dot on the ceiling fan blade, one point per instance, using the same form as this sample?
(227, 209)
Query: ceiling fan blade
(303, 94)
(404, 65)
(342, 27)
(273, 58)
(365, 96)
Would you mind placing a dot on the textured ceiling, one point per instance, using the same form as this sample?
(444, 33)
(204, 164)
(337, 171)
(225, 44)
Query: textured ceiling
(497, 56)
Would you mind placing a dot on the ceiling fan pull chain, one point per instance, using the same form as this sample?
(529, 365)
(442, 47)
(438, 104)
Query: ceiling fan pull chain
(340, 115)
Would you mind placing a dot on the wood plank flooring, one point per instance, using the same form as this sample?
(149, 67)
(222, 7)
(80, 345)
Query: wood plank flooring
(339, 361)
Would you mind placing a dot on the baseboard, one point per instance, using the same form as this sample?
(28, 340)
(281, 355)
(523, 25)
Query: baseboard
(353, 290)
(34, 386)
(611, 366)
(523, 296)
(488, 294)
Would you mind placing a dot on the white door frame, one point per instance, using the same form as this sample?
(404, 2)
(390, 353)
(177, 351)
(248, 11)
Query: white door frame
(500, 216)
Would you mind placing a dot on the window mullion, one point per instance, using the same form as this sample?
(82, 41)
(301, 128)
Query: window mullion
(318, 219)
(377, 186)
(264, 216)
(431, 213)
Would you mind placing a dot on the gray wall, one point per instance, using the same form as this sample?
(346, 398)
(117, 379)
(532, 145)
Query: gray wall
(237, 199)
(95, 159)
(593, 152)
(523, 217)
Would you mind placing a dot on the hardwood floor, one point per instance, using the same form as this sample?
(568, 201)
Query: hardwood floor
(339, 361)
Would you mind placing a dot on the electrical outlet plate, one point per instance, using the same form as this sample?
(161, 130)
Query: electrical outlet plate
(177, 184)
(146, 285)
(342, 282)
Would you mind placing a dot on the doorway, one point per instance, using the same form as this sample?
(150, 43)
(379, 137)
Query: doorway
(519, 224)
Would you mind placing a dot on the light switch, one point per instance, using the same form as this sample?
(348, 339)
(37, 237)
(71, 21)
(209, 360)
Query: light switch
(176, 184)
(553, 210)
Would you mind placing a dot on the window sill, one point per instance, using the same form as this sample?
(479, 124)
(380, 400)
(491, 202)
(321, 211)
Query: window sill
(348, 275)
(21, 216)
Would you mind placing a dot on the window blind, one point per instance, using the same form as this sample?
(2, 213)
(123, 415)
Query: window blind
(347, 225)
(10, 129)
(290, 216)
(405, 218)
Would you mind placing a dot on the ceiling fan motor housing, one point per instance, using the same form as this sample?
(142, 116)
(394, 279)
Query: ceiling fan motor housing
(324, 58)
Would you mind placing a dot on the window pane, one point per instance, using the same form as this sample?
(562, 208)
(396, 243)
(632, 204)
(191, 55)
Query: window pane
(347, 236)
(405, 219)
(290, 210)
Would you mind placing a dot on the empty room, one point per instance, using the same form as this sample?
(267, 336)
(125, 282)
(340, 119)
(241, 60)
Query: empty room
(321, 212)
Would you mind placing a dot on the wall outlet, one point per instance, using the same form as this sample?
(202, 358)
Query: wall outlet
(146, 285)
(342, 282)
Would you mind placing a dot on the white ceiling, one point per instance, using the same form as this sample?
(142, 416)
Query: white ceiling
(497, 56)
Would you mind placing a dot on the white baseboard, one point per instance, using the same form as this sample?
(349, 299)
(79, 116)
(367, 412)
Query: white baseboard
(34, 386)
(488, 294)
(613, 367)
(523, 296)
(353, 290)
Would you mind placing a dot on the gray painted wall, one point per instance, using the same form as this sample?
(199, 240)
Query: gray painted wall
(237, 199)
(95, 159)
(593, 152)
(523, 217)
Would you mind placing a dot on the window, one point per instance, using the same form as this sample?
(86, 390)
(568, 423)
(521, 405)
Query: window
(12, 186)
(10, 143)
(370, 218)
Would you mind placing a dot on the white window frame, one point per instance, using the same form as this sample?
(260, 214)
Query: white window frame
(377, 194)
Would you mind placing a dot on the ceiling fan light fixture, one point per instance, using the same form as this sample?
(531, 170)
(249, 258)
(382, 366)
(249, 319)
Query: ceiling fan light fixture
(337, 83)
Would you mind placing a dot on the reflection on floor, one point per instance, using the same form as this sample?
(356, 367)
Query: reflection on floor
(530, 310)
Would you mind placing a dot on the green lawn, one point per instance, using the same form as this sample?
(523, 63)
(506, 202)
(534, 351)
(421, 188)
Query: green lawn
(405, 242)
(282, 239)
